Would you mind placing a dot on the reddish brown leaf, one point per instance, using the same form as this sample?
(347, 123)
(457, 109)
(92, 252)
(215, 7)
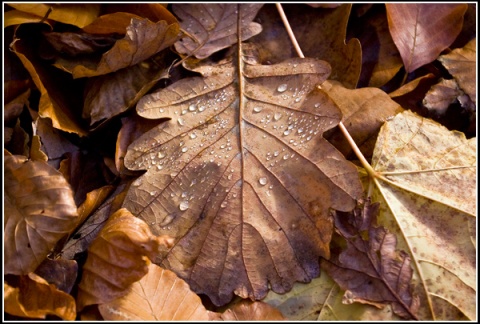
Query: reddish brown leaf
(39, 210)
(247, 310)
(369, 268)
(241, 176)
(441, 95)
(117, 258)
(422, 31)
(143, 39)
(36, 298)
(110, 23)
(60, 272)
(214, 26)
(159, 296)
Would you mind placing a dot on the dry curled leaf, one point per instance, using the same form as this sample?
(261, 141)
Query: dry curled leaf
(429, 199)
(369, 268)
(33, 297)
(39, 211)
(461, 63)
(422, 31)
(214, 26)
(159, 296)
(142, 40)
(241, 175)
(117, 258)
(247, 310)
(441, 95)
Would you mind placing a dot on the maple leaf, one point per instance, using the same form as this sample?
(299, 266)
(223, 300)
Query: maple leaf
(241, 176)
(428, 188)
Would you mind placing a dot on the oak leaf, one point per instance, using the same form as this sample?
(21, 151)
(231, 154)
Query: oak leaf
(422, 31)
(428, 188)
(214, 26)
(39, 211)
(241, 176)
(117, 258)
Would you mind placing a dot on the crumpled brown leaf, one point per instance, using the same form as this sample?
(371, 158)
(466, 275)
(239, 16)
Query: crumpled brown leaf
(214, 26)
(33, 297)
(461, 63)
(422, 31)
(241, 177)
(369, 268)
(143, 39)
(117, 258)
(441, 95)
(39, 211)
(247, 310)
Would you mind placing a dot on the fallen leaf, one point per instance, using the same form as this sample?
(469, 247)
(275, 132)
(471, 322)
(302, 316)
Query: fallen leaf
(461, 63)
(73, 44)
(60, 272)
(153, 11)
(441, 95)
(18, 17)
(241, 175)
(117, 258)
(108, 95)
(410, 95)
(36, 153)
(214, 26)
(113, 23)
(143, 39)
(247, 310)
(159, 296)
(39, 211)
(429, 199)
(422, 31)
(77, 14)
(370, 269)
(364, 112)
(33, 297)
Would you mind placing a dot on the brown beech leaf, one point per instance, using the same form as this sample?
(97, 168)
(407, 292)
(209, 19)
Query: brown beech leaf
(159, 296)
(369, 268)
(78, 14)
(34, 297)
(109, 95)
(117, 258)
(422, 31)
(143, 39)
(461, 63)
(247, 310)
(240, 175)
(214, 26)
(39, 211)
(364, 112)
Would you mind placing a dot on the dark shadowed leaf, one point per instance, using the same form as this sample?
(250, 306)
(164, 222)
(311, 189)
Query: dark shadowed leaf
(214, 26)
(33, 297)
(159, 296)
(241, 175)
(369, 268)
(422, 31)
(60, 272)
(39, 211)
(461, 63)
(142, 40)
(117, 258)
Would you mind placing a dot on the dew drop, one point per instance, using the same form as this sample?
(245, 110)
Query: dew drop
(180, 121)
(282, 87)
(167, 220)
(159, 167)
(287, 132)
(153, 193)
(275, 153)
(161, 110)
(285, 156)
(137, 182)
(183, 205)
(184, 149)
(257, 109)
(192, 107)
(317, 105)
(201, 108)
(298, 99)
(224, 204)
(161, 155)
(262, 181)
(277, 116)
(193, 136)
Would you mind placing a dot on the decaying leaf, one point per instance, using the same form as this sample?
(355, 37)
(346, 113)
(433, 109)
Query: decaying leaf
(159, 296)
(364, 112)
(422, 31)
(461, 63)
(441, 95)
(39, 211)
(429, 199)
(214, 26)
(240, 176)
(143, 39)
(369, 268)
(33, 297)
(60, 272)
(117, 258)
